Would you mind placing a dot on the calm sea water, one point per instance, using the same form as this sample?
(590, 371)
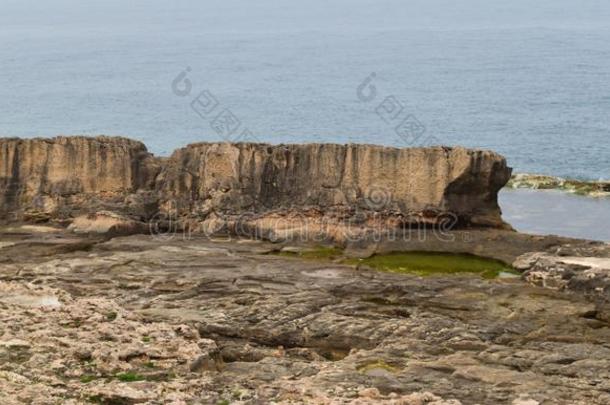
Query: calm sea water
(528, 79)
(558, 213)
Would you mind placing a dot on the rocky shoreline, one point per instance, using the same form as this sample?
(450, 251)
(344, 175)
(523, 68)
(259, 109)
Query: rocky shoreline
(136, 319)
(131, 279)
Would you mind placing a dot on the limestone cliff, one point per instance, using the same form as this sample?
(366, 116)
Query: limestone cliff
(410, 184)
(43, 178)
(215, 183)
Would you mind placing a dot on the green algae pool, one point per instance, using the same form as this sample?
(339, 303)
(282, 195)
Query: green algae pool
(430, 264)
(419, 263)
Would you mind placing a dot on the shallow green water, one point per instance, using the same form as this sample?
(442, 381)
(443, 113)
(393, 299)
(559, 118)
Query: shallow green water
(420, 263)
(429, 264)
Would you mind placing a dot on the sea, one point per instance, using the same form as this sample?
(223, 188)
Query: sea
(530, 80)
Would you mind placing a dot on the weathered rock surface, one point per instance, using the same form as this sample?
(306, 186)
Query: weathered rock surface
(142, 320)
(500, 244)
(106, 222)
(581, 269)
(329, 189)
(53, 345)
(42, 179)
(326, 182)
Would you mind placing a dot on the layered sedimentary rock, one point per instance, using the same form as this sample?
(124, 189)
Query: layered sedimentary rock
(217, 184)
(48, 178)
(322, 186)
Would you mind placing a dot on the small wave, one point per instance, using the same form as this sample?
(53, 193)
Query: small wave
(599, 188)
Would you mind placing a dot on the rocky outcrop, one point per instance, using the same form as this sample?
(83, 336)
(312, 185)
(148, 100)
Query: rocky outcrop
(328, 187)
(253, 187)
(584, 270)
(50, 178)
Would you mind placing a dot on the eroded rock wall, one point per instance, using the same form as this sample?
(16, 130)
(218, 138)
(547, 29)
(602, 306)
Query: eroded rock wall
(205, 182)
(411, 183)
(40, 177)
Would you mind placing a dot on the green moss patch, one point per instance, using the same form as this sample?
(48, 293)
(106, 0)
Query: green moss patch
(87, 378)
(129, 377)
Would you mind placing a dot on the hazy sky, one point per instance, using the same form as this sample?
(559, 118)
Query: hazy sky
(294, 15)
